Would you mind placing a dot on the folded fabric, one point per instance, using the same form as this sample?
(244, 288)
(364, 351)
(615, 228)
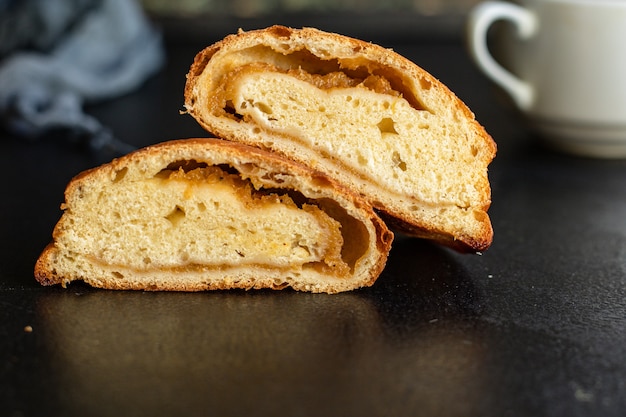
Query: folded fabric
(108, 52)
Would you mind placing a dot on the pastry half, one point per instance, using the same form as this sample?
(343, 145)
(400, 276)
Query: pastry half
(201, 214)
(360, 113)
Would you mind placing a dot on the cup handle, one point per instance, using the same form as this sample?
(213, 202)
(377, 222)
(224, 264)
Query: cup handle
(480, 19)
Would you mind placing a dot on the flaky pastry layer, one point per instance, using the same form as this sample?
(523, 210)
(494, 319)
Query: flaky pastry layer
(206, 214)
(360, 113)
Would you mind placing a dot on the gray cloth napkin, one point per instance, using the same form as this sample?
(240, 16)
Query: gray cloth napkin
(61, 54)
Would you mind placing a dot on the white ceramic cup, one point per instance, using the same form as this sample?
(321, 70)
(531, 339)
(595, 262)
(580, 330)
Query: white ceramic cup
(563, 62)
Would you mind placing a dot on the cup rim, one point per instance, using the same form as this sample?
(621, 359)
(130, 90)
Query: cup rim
(594, 3)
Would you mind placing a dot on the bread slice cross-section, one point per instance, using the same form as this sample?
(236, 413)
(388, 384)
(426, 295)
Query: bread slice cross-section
(201, 214)
(362, 114)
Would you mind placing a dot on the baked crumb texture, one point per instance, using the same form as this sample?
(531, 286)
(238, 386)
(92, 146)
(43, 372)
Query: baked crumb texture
(209, 214)
(360, 113)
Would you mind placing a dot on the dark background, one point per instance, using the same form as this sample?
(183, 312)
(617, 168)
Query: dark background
(535, 326)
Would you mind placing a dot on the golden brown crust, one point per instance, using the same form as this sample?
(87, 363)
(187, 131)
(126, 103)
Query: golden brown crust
(351, 55)
(466, 243)
(42, 272)
(50, 270)
(307, 36)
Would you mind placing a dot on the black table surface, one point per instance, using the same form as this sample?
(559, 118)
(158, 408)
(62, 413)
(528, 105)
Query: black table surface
(534, 326)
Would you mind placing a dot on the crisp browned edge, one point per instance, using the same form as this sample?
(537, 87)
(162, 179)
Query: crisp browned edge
(380, 54)
(384, 237)
(42, 273)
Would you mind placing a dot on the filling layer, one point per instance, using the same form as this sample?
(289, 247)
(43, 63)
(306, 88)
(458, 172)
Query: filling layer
(208, 216)
(364, 123)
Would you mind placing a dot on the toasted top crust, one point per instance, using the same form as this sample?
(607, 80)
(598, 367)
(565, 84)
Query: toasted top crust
(449, 145)
(175, 177)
